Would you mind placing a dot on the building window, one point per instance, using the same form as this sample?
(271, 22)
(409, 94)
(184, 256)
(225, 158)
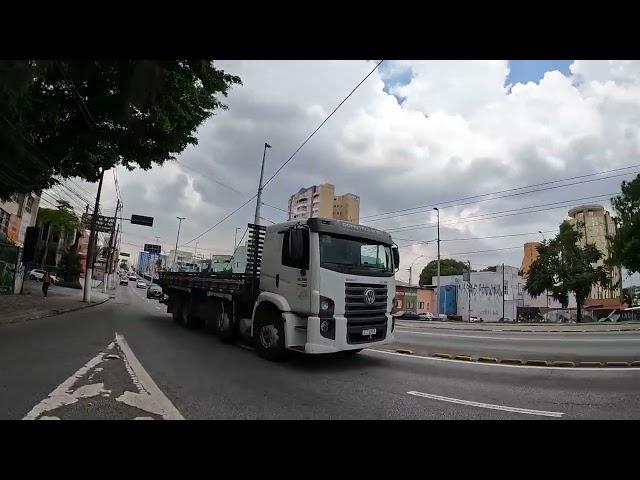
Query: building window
(506, 287)
(421, 305)
(29, 204)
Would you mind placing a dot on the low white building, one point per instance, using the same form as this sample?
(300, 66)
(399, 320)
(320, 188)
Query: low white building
(488, 294)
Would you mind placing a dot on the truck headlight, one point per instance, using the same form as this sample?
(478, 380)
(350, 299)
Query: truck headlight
(326, 307)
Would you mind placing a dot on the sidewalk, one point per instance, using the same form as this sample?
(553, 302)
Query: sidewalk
(32, 304)
(524, 327)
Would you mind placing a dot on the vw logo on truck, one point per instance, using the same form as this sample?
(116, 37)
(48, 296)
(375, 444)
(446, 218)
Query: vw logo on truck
(369, 296)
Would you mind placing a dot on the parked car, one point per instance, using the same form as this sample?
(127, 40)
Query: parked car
(426, 316)
(37, 274)
(406, 315)
(132, 277)
(141, 284)
(154, 291)
(124, 280)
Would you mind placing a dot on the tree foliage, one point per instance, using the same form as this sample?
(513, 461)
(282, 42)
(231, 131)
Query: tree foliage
(61, 219)
(70, 266)
(72, 118)
(625, 245)
(448, 266)
(563, 267)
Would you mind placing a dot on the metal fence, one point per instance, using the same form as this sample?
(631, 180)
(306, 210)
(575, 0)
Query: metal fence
(570, 315)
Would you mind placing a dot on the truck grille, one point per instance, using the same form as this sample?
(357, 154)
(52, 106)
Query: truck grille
(363, 316)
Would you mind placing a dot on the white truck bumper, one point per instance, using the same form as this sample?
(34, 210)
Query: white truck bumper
(316, 343)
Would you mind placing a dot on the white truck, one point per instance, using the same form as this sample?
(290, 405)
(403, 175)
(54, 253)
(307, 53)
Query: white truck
(315, 286)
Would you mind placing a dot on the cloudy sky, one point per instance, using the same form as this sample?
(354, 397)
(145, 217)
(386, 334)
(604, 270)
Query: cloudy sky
(415, 134)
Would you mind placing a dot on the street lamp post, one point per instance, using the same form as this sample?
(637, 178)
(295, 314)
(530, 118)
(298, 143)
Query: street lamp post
(175, 252)
(256, 219)
(438, 287)
(235, 240)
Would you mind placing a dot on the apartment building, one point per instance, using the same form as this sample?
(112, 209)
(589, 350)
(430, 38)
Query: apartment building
(321, 201)
(596, 224)
(16, 216)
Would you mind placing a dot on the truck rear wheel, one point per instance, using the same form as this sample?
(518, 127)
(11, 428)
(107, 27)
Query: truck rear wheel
(224, 325)
(186, 317)
(269, 337)
(176, 312)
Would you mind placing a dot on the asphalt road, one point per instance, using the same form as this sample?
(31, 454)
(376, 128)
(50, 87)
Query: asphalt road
(202, 378)
(577, 347)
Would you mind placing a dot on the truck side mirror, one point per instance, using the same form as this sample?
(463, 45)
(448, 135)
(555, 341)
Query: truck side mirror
(396, 257)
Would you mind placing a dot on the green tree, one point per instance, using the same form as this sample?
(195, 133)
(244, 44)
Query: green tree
(59, 220)
(563, 266)
(625, 245)
(70, 266)
(72, 118)
(448, 266)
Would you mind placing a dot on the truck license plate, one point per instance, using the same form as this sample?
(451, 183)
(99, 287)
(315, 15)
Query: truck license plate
(368, 331)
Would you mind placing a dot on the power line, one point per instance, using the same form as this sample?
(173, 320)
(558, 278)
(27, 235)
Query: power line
(210, 178)
(323, 122)
(473, 238)
(509, 190)
(518, 211)
(277, 208)
(215, 225)
(292, 155)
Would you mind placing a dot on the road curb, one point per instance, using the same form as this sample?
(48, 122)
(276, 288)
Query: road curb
(618, 364)
(405, 351)
(56, 312)
(539, 363)
(563, 363)
(442, 355)
(590, 364)
(487, 360)
(511, 361)
(466, 358)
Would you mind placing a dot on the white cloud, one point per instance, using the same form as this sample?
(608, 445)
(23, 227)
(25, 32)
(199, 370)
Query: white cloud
(459, 132)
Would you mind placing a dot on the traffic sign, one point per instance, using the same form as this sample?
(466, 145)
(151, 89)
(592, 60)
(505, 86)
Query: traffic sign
(102, 224)
(148, 247)
(142, 220)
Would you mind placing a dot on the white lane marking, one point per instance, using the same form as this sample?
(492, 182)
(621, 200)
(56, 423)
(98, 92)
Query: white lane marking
(159, 308)
(45, 417)
(504, 365)
(62, 394)
(155, 401)
(482, 337)
(526, 411)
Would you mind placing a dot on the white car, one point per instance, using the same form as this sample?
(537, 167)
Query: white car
(141, 284)
(426, 316)
(37, 274)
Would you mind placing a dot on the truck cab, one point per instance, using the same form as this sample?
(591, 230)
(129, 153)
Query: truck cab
(331, 282)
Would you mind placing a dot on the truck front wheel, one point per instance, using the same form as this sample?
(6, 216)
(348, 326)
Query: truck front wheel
(269, 336)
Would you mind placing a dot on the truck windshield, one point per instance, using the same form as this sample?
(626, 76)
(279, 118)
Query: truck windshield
(356, 256)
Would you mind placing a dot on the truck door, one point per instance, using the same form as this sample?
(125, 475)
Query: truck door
(293, 279)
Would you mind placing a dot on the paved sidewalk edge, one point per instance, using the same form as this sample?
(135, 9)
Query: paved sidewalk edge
(58, 312)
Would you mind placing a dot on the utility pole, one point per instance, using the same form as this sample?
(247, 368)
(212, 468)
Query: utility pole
(235, 240)
(109, 259)
(175, 253)
(256, 219)
(438, 289)
(88, 273)
(503, 291)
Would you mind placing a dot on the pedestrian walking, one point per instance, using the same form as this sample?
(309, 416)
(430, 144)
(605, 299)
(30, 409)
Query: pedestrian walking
(46, 281)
